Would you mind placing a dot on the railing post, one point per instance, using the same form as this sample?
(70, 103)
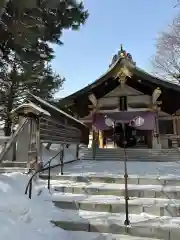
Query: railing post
(127, 221)
(49, 174)
(62, 159)
(30, 189)
(77, 152)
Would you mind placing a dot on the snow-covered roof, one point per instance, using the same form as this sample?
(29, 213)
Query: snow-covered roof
(41, 101)
(31, 106)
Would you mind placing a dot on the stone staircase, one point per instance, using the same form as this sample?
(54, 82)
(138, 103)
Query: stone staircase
(90, 195)
(117, 154)
(94, 208)
(92, 205)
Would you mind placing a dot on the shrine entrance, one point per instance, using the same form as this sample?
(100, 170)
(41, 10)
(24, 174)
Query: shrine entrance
(135, 138)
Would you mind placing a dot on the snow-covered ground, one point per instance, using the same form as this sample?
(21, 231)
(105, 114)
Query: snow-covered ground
(22, 218)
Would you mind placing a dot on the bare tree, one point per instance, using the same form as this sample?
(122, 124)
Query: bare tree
(177, 3)
(166, 61)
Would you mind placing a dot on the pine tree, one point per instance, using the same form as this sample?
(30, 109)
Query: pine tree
(24, 49)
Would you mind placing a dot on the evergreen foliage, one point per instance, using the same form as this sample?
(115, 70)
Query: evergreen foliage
(27, 28)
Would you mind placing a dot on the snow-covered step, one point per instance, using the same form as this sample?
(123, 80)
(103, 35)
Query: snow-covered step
(132, 179)
(90, 195)
(12, 164)
(115, 204)
(14, 169)
(134, 150)
(140, 154)
(143, 155)
(141, 191)
(132, 159)
(77, 235)
(143, 225)
(108, 168)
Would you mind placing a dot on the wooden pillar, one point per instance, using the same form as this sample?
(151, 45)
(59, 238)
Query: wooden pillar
(178, 129)
(101, 142)
(93, 144)
(77, 145)
(34, 143)
(23, 140)
(178, 125)
(174, 139)
(149, 139)
(174, 125)
(155, 134)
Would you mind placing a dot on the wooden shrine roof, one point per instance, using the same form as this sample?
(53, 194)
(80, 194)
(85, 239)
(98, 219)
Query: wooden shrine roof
(138, 79)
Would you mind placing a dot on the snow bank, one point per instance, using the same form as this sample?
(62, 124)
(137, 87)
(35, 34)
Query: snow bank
(22, 218)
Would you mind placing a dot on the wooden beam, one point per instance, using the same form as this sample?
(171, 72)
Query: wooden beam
(13, 139)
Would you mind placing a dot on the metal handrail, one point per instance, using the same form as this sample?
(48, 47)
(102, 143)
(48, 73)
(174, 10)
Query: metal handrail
(49, 167)
(45, 167)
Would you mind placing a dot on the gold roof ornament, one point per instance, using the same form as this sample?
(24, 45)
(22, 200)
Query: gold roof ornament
(122, 52)
(127, 55)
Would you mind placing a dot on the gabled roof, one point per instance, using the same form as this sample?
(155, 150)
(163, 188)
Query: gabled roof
(50, 108)
(30, 108)
(90, 87)
(139, 80)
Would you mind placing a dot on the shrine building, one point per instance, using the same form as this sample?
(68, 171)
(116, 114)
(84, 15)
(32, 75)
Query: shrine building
(122, 95)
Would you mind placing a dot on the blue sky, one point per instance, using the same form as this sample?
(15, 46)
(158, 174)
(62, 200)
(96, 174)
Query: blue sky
(87, 53)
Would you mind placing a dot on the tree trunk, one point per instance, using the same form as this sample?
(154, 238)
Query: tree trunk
(9, 106)
(8, 120)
